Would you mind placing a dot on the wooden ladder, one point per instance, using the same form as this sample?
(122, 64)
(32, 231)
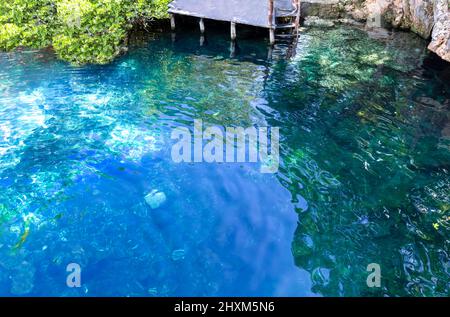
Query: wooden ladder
(284, 23)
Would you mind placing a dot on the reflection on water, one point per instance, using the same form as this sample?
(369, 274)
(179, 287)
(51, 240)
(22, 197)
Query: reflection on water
(363, 178)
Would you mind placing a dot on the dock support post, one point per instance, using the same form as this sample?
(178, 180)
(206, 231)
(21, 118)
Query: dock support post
(270, 53)
(271, 22)
(233, 31)
(298, 16)
(202, 26)
(272, 36)
(172, 22)
(233, 47)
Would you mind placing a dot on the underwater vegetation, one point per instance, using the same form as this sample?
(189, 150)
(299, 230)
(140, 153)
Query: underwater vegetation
(86, 174)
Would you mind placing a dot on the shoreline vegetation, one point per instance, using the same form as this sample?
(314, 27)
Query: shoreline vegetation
(80, 31)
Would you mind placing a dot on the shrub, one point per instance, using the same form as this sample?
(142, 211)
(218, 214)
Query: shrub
(156, 9)
(10, 35)
(26, 23)
(81, 31)
(91, 31)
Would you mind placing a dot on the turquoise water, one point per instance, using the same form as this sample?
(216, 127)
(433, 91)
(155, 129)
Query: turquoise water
(364, 171)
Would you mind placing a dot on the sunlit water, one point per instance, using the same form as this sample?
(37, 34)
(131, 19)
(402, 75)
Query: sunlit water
(364, 172)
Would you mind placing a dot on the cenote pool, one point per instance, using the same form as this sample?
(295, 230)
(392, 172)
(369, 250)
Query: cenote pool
(364, 173)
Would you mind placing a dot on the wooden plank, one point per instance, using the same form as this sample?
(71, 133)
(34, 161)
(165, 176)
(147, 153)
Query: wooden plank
(249, 12)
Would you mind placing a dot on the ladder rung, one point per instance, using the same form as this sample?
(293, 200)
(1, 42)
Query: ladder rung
(287, 14)
(285, 9)
(285, 26)
(285, 35)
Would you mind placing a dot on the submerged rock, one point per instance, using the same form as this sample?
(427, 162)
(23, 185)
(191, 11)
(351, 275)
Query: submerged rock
(318, 22)
(427, 18)
(328, 9)
(178, 255)
(155, 199)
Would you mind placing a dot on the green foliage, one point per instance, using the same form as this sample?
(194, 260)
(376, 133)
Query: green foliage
(10, 35)
(156, 9)
(91, 31)
(26, 23)
(5, 214)
(81, 31)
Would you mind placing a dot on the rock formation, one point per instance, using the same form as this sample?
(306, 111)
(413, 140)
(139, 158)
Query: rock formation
(440, 41)
(427, 18)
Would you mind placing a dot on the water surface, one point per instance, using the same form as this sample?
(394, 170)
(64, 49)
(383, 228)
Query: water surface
(364, 174)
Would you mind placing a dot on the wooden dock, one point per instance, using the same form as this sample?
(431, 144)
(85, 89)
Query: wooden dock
(280, 17)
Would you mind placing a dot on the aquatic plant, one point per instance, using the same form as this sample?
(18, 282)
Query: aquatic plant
(385, 199)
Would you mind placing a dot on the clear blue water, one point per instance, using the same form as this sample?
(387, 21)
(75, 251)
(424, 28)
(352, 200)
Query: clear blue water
(364, 175)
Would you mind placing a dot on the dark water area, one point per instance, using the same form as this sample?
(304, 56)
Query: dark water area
(364, 169)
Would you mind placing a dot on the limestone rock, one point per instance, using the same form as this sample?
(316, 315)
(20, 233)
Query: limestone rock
(325, 9)
(427, 18)
(155, 199)
(318, 22)
(440, 41)
(421, 16)
(178, 255)
(415, 15)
